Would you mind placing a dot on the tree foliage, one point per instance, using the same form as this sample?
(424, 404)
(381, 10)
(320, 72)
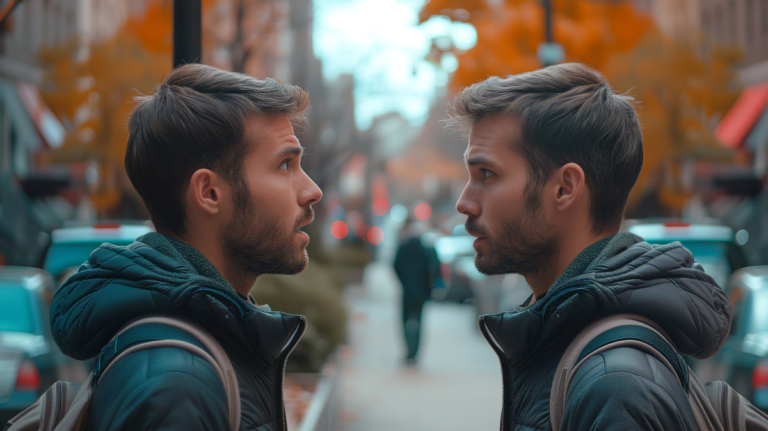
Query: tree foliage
(508, 34)
(681, 87)
(91, 88)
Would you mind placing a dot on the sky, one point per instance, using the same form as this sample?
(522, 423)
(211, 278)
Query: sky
(382, 44)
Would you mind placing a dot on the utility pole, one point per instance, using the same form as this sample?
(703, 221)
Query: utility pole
(187, 32)
(549, 52)
(548, 20)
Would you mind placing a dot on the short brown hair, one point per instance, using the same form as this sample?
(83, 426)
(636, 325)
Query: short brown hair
(567, 113)
(196, 119)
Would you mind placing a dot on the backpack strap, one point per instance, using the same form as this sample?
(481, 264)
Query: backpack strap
(621, 330)
(163, 331)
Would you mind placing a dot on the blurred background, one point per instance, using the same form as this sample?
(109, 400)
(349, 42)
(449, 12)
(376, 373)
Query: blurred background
(379, 74)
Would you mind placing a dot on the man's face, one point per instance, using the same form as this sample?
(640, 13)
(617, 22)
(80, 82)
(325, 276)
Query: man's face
(273, 200)
(509, 220)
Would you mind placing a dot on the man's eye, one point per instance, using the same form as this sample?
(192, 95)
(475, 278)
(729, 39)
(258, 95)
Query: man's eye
(486, 173)
(284, 165)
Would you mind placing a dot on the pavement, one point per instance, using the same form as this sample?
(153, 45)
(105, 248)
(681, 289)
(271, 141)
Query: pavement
(455, 385)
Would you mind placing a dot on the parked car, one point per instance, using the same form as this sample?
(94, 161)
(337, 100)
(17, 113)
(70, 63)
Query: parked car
(72, 245)
(30, 361)
(452, 253)
(713, 245)
(743, 359)
(464, 283)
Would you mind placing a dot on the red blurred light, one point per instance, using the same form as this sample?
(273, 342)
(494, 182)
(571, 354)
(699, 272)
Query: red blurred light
(361, 229)
(676, 224)
(375, 235)
(760, 375)
(106, 226)
(28, 379)
(381, 194)
(339, 229)
(422, 212)
(380, 206)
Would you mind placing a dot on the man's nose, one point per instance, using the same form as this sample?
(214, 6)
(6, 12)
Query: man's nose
(467, 205)
(311, 193)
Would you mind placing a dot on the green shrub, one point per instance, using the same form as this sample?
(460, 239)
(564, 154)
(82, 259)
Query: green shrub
(317, 293)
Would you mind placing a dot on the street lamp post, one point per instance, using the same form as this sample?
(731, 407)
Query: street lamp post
(187, 32)
(549, 52)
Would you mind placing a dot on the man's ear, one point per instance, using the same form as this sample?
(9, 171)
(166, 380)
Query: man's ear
(205, 191)
(570, 186)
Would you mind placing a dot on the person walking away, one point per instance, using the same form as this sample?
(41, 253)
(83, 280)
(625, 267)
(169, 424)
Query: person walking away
(552, 156)
(416, 266)
(214, 157)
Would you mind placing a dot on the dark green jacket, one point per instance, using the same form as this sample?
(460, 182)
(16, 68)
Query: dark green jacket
(168, 388)
(621, 389)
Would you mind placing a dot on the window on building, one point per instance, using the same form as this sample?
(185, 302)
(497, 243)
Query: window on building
(764, 18)
(733, 23)
(749, 25)
(706, 24)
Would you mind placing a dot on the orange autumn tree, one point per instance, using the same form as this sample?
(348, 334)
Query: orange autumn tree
(682, 88)
(91, 88)
(509, 33)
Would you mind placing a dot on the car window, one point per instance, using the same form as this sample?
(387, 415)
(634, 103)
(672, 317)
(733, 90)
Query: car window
(16, 310)
(759, 313)
(712, 255)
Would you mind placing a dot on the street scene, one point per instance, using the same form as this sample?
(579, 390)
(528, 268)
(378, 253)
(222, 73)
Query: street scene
(383, 214)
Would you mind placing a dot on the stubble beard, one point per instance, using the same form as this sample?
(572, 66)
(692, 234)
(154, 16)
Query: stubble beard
(259, 245)
(523, 246)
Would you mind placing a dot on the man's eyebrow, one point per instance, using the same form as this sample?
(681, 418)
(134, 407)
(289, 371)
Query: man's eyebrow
(480, 161)
(291, 151)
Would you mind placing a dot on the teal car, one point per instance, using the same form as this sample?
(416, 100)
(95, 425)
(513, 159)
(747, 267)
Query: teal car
(72, 245)
(743, 360)
(30, 361)
(716, 247)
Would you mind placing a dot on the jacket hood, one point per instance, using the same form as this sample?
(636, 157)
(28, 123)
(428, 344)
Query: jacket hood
(660, 282)
(151, 276)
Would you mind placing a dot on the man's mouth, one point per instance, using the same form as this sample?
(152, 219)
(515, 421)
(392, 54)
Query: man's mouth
(309, 218)
(473, 229)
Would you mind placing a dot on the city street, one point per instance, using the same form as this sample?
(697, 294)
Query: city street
(456, 384)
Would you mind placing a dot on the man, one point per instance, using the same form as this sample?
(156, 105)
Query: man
(552, 157)
(416, 266)
(214, 157)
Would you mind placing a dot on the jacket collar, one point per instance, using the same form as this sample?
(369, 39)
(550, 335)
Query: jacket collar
(159, 275)
(627, 275)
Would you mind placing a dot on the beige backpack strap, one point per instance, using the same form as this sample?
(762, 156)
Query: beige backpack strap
(568, 362)
(217, 357)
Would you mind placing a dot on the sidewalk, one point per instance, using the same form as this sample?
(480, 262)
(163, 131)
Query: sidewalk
(456, 384)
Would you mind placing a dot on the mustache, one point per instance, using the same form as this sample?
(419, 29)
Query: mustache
(309, 214)
(474, 228)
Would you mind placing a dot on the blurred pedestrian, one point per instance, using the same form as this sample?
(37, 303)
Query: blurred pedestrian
(416, 266)
(214, 157)
(552, 157)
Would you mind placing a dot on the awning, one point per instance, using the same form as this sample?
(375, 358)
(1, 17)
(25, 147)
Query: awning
(739, 121)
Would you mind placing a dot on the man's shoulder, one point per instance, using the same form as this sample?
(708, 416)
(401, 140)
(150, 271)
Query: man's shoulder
(631, 385)
(170, 363)
(164, 384)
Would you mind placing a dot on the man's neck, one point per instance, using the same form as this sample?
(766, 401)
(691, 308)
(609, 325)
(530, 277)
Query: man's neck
(542, 279)
(241, 281)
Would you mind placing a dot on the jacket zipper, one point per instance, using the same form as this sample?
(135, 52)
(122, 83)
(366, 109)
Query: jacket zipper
(504, 372)
(295, 338)
(59, 406)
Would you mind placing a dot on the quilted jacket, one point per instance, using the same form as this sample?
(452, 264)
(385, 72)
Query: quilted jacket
(623, 388)
(169, 388)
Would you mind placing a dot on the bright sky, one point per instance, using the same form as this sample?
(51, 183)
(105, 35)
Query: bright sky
(381, 43)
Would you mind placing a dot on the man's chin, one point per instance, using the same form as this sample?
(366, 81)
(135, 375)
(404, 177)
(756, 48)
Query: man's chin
(487, 267)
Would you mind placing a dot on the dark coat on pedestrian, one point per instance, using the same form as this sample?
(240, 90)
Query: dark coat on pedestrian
(623, 388)
(417, 267)
(170, 388)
